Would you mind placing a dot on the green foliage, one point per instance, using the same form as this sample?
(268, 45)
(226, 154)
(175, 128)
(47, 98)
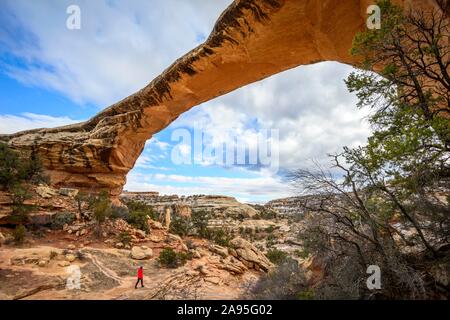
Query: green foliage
(277, 256)
(124, 237)
(19, 234)
(200, 221)
(302, 253)
(100, 206)
(171, 259)
(53, 254)
(138, 219)
(306, 294)
(138, 214)
(16, 168)
(180, 225)
(19, 194)
(220, 237)
(196, 224)
(62, 218)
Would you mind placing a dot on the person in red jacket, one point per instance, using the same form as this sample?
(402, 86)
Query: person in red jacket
(140, 277)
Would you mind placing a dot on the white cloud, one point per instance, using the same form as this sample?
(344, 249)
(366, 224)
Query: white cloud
(310, 106)
(121, 45)
(13, 123)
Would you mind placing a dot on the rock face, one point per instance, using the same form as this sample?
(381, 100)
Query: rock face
(141, 253)
(250, 256)
(219, 206)
(251, 40)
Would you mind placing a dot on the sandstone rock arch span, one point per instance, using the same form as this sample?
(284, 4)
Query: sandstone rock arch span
(251, 40)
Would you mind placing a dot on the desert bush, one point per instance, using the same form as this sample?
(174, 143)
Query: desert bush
(200, 221)
(286, 282)
(19, 234)
(16, 168)
(171, 259)
(302, 253)
(119, 212)
(138, 214)
(100, 206)
(220, 237)
(138, 219)
(80, 255)
(62, 218)
(181, 226)
(53, 254)
(124, 237)
(19, 194)
(277, 256)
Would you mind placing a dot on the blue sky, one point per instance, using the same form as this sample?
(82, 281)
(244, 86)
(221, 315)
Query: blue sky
(51, 76)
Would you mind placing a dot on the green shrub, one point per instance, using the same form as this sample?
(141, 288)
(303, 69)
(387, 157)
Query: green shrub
(125, 237)
(200, 221)
(80, 255)
(16, 168)
(53, 254)
(277, 256)
(138, 219)
(139, 206)
(119, 212)
(138, 214)
(302, 253)
(307, 294)
(220, 237)
(19, 234)
(181, 226)
(62, 218)
(171, 259)
(100, 206)
(19, 194)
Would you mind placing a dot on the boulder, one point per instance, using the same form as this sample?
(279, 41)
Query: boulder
(68, 192)
(173, 237)
(232, 265)
(44, 191)
(221, 251)
(42, 263)
(140, 253)
(70, 257)
(119, 245)
(155, 238)
(140, 233)
(64, 263)
(250, 255)
(154, 224)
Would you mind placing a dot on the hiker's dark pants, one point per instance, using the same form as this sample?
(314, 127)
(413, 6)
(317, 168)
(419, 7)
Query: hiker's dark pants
(142, 282)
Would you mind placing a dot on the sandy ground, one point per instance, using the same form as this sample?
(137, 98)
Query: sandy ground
(108, 273)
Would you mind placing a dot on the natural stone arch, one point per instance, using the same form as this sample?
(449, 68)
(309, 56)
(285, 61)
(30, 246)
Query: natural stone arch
(250, 41)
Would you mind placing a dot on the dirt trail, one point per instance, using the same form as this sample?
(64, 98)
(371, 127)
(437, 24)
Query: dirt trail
(101, 267)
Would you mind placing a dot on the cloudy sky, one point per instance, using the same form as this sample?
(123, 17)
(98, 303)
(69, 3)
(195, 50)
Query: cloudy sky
(51, 75)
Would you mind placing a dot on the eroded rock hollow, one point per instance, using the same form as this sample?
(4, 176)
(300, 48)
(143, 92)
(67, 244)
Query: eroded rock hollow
(251, 40)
